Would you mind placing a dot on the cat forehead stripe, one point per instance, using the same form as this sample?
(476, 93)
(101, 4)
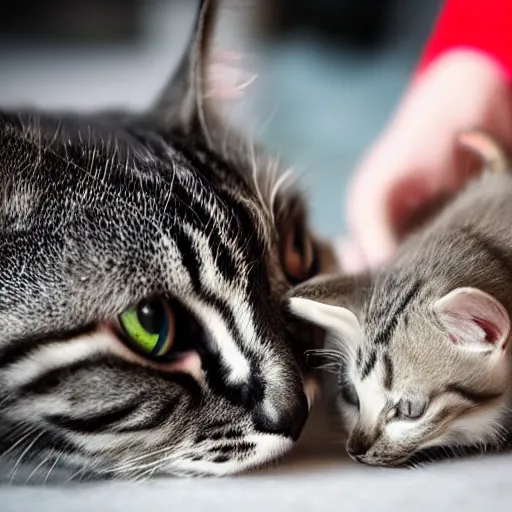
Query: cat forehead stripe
(388, 371)
(369, 365)
(388, 312)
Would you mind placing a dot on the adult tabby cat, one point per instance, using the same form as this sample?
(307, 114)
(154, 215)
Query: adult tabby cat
(143, 263)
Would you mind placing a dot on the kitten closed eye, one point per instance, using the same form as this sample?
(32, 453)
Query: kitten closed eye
(411, 409)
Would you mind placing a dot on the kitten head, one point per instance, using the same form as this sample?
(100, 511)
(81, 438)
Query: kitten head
(415, 367)
(144, 264)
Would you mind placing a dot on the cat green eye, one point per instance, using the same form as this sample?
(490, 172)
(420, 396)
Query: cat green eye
(149, 328)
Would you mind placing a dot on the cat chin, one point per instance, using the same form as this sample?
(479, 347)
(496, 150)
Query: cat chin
(269, 448)
(483, 427)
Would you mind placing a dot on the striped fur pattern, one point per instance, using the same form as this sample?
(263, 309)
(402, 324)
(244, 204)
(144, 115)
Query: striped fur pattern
(99, 212)
(404, 381)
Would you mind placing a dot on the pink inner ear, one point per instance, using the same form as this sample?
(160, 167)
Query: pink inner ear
(492, 333)
(474, 318)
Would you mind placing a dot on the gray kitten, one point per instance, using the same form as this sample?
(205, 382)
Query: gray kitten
(421, 348)
(144, 264)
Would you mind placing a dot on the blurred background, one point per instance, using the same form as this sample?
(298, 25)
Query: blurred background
(329, 71)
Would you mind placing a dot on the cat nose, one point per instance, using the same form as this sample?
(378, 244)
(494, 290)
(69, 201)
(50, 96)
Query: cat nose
(357, 447)
(287, 423)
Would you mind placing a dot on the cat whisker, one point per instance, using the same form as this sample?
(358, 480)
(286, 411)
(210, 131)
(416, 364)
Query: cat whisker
(37, 468)
(156, 464)
(330, 358)
(329, 368)
(132, 460)
(322, 352)
(82, 471)
(30, 431)
(146, 475)
(254, 173)
(23, 455)
(285, 178)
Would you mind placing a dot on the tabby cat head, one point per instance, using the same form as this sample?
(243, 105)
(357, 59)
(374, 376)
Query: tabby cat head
(143, 263)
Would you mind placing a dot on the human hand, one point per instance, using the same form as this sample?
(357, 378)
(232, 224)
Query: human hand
(416, 161)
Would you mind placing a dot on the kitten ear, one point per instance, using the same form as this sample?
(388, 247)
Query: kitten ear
(473, 319)
(331, 302)
(206, 76)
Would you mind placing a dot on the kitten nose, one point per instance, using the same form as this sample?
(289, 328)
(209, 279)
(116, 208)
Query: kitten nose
(287, 423)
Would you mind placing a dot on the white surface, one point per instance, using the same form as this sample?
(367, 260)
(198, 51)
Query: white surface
(316, 476)
(327, 484)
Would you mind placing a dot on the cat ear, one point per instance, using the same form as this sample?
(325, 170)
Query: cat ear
(179, 104)
(473, 319)
(208, 74)
(331, 302)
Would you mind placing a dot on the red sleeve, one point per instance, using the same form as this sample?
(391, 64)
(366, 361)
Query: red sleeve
(481, 25)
